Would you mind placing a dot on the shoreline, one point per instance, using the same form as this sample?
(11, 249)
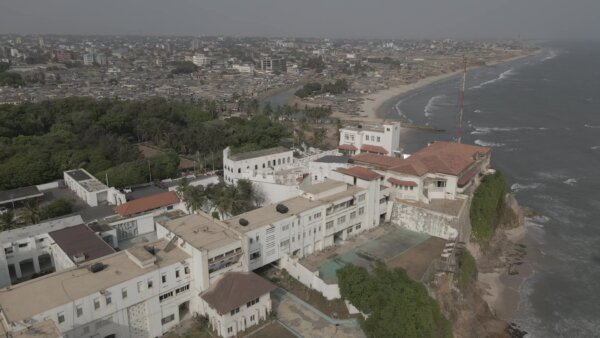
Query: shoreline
(373, 103)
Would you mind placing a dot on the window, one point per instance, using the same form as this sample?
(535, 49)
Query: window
(284, 243)
(328, 225)
(230, 329)
(234, 311)
(257, 238)
(79, 310)
(186, 270)
(61, 317)
(108, 300)
(341, 220)
(346, 137)
(168, 319)
(23, 245)
(96, 303)
(239, 170)
(285, 227)
(165, 296)
(361, 197)
(378, 139)
(164, 277)
(255, 255)
(317, 215)
(140, 287)
(177, 273)
(256, 167)
(251, 240)
(361, 210)
(252, 318)
(124, 293)
(150, 283)
(353, 215)
(252, 302)
(349, 230)
(441, 184)
(182, 289)
(358, 225)
(8, 251)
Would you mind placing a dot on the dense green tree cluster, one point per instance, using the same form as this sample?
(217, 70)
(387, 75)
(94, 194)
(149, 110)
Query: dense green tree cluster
(183, 67)
(316, 88)
(140, 171)
(486, 206)
(397, 306)
(38, 141)
(4, 66)
(11, 79)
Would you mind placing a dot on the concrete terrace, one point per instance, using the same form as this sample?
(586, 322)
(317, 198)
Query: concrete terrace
(395, 246)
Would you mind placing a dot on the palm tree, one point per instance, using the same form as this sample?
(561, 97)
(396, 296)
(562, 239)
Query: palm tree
(193, 197)
(7, 220)
(31, 213)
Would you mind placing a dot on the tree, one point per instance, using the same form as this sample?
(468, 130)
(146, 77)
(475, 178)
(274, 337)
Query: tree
(56, 208)
(31, 213)
(193, 197)
(7, 220)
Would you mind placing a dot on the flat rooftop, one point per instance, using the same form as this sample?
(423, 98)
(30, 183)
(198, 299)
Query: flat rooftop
(19, 194)
(258, 153)
(24, 300)
(268, 214)
(442, 206)
(87, 181)
(13, 235)
(367, 127)
(202, 231)
(334, 159)
(80, 239)
(322, 187)
(385, 243)
(79, 175)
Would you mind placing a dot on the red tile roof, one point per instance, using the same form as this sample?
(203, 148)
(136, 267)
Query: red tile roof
(147, 203)
(466, 178)
(80, 239)
(402, 183)
(373, 149)
(441, 157)
(235, 289)
(347, 147)
(360, 172)
(379, 161)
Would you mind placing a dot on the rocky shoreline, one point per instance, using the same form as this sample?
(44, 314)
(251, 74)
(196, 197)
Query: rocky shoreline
(485, 309)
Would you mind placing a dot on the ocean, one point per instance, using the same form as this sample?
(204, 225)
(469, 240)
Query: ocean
(541, 117)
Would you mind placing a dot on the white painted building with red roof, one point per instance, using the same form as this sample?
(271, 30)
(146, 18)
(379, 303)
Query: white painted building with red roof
(382, 140)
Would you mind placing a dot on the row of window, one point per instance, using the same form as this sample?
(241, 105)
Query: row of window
(269, 163)
(170, 294)
(10, 249)
(249, 304)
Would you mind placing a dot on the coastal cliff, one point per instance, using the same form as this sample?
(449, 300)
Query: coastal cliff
(479, 306)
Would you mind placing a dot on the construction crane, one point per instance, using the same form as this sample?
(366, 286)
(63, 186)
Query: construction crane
(462, 100)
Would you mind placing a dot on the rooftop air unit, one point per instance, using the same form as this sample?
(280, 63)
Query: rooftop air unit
(281, 208)
(244, 222)
(96, 267)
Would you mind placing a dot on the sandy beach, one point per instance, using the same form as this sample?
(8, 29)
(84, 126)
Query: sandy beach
(372, 102)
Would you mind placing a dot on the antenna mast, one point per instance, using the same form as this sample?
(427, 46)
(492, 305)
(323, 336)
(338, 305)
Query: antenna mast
(462, 99)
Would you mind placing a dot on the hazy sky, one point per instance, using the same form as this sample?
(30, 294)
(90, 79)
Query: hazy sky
(578, 19)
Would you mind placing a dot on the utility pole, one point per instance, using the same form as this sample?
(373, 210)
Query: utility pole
(149, 171)
(462, 99)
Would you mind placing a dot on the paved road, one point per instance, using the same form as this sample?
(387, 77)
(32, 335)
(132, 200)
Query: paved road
(308, 322)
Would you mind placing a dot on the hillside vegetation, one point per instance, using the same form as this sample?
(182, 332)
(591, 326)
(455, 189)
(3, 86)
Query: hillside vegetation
(396, 305)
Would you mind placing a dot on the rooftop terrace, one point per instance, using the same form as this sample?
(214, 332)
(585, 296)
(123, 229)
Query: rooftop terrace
(257, 153)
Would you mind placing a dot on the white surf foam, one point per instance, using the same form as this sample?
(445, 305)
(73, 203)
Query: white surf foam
(487, 130)
(591, 126)
(477, 111)
(551, 55)
(570, 181)
(431, 104)
(488, 144)
(502, 76)
(595, 148)
(518, 186)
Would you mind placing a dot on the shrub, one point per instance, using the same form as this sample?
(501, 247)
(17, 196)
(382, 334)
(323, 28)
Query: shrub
(486, 206)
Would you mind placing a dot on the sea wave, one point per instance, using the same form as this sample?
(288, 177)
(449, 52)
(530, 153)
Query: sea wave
(488, 144)
(518, 186)
(432, 103)
(502, 76)
(551, 55)
(591, 126)
(595, 148)
(570, 181)
(487, 130)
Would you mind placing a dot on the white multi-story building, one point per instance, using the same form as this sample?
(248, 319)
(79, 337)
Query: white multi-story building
(139, 292)
(201, 60)
(442, 170)
(383, 140)
(325, 214)
(255, 163)
(245, 68)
